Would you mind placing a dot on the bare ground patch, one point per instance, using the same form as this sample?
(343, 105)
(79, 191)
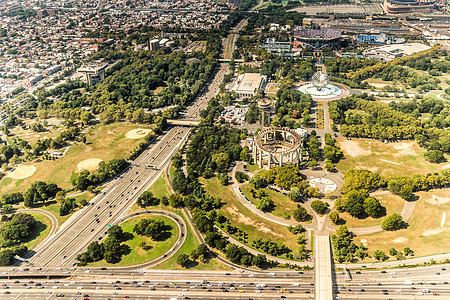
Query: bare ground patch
(22, 172)
(352, 148)
(247, 221)
(138, 133)
(90, 164)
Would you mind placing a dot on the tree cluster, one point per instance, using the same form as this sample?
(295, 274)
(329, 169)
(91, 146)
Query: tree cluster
(17, 229)
(104, 172)
(111, 249)
(345, 248)
(155, 229)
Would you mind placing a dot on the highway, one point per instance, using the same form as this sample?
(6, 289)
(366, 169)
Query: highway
(91, 223)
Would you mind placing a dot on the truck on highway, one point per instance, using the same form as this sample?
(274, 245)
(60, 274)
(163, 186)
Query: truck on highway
(408, 282)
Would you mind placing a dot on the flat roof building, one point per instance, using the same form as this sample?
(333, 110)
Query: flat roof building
(248, 84)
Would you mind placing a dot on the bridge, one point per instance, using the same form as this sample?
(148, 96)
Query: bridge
(188, 123)
(323, 267)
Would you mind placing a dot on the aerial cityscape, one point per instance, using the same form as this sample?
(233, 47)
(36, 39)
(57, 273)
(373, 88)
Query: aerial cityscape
(228, 149)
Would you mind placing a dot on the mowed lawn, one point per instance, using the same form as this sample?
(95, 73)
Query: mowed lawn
(239, 216)
(138, 255)
(104, 142)
(391, 203)
(428, 232)
(284, 207)
(389, 159)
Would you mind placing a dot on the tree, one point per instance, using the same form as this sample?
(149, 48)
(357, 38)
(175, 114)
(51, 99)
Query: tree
(295, 194)
(116, 232)
(434, 156)
(380, 255)
(408, 251)
(241, 177)
(392, 222)
(392, 251)
(406, 191)
(319, 207)
(372, 207)
(312, 164)
(329, 166)
(95, 251)
(224, 179)
(147, 199)
(301, 214)
(183, 260)
(266, 204)
(334, 217)
(155, 229)
(354, 202)
(113, 250)
(67, 206)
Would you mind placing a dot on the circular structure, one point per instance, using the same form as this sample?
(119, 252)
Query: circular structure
(265, 106)
(90, 164)
(324, 184)
(137, 133)
(328, 91)
(320, 87)
(317, 38)
(278, 146)
(320, 80)
(22, 172)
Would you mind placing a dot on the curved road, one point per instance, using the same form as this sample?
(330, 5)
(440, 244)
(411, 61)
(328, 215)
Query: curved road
(182, 234)
(54, 221)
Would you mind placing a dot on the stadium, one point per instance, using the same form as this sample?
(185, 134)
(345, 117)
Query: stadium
(316, 38)
(409, 6)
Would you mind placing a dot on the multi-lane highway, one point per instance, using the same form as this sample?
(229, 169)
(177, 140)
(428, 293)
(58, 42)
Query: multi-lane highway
(91, 223)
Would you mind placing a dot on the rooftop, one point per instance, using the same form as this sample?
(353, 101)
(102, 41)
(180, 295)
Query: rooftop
(250, 82)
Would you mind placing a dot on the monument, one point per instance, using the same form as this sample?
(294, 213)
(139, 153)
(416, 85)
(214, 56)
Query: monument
(320, 87)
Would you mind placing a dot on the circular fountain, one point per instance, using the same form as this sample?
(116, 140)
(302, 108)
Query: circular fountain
(320, 87)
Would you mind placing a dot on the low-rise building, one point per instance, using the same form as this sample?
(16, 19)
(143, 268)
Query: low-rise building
(248, 84)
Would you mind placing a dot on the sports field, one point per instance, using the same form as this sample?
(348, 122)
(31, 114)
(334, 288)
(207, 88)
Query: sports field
(104, 142)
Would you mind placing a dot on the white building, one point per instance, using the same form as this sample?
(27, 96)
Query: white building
(248, 84)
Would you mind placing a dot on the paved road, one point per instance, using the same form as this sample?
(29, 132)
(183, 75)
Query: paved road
(82, 228)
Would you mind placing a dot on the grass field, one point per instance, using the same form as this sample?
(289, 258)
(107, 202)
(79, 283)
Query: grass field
(160, 187)
(391, 159)
(138, 255)
(43, 226)
(392, 203)
(424, 235)
(104, 142)
(190, 244)
(239, 216)
(53, 207)
(252, 168)
(52, 130)
(284, 207)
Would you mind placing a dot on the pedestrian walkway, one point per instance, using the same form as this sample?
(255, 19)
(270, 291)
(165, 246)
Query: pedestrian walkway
(323, 268)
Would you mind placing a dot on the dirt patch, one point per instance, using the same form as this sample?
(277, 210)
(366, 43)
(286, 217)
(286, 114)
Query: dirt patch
(400, 240)
(405, 147)
(22, 172)
(437, 200)
(90, 164)
(137, 133)
(352, 148)
(110, 132)
(247, 221)
(391, 162)
(88, 148)
(433, 231)
(446, 166)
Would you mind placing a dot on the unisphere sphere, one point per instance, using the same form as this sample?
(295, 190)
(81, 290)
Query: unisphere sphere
(319, 80)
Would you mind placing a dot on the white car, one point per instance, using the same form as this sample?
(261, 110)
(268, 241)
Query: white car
(79, 287)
